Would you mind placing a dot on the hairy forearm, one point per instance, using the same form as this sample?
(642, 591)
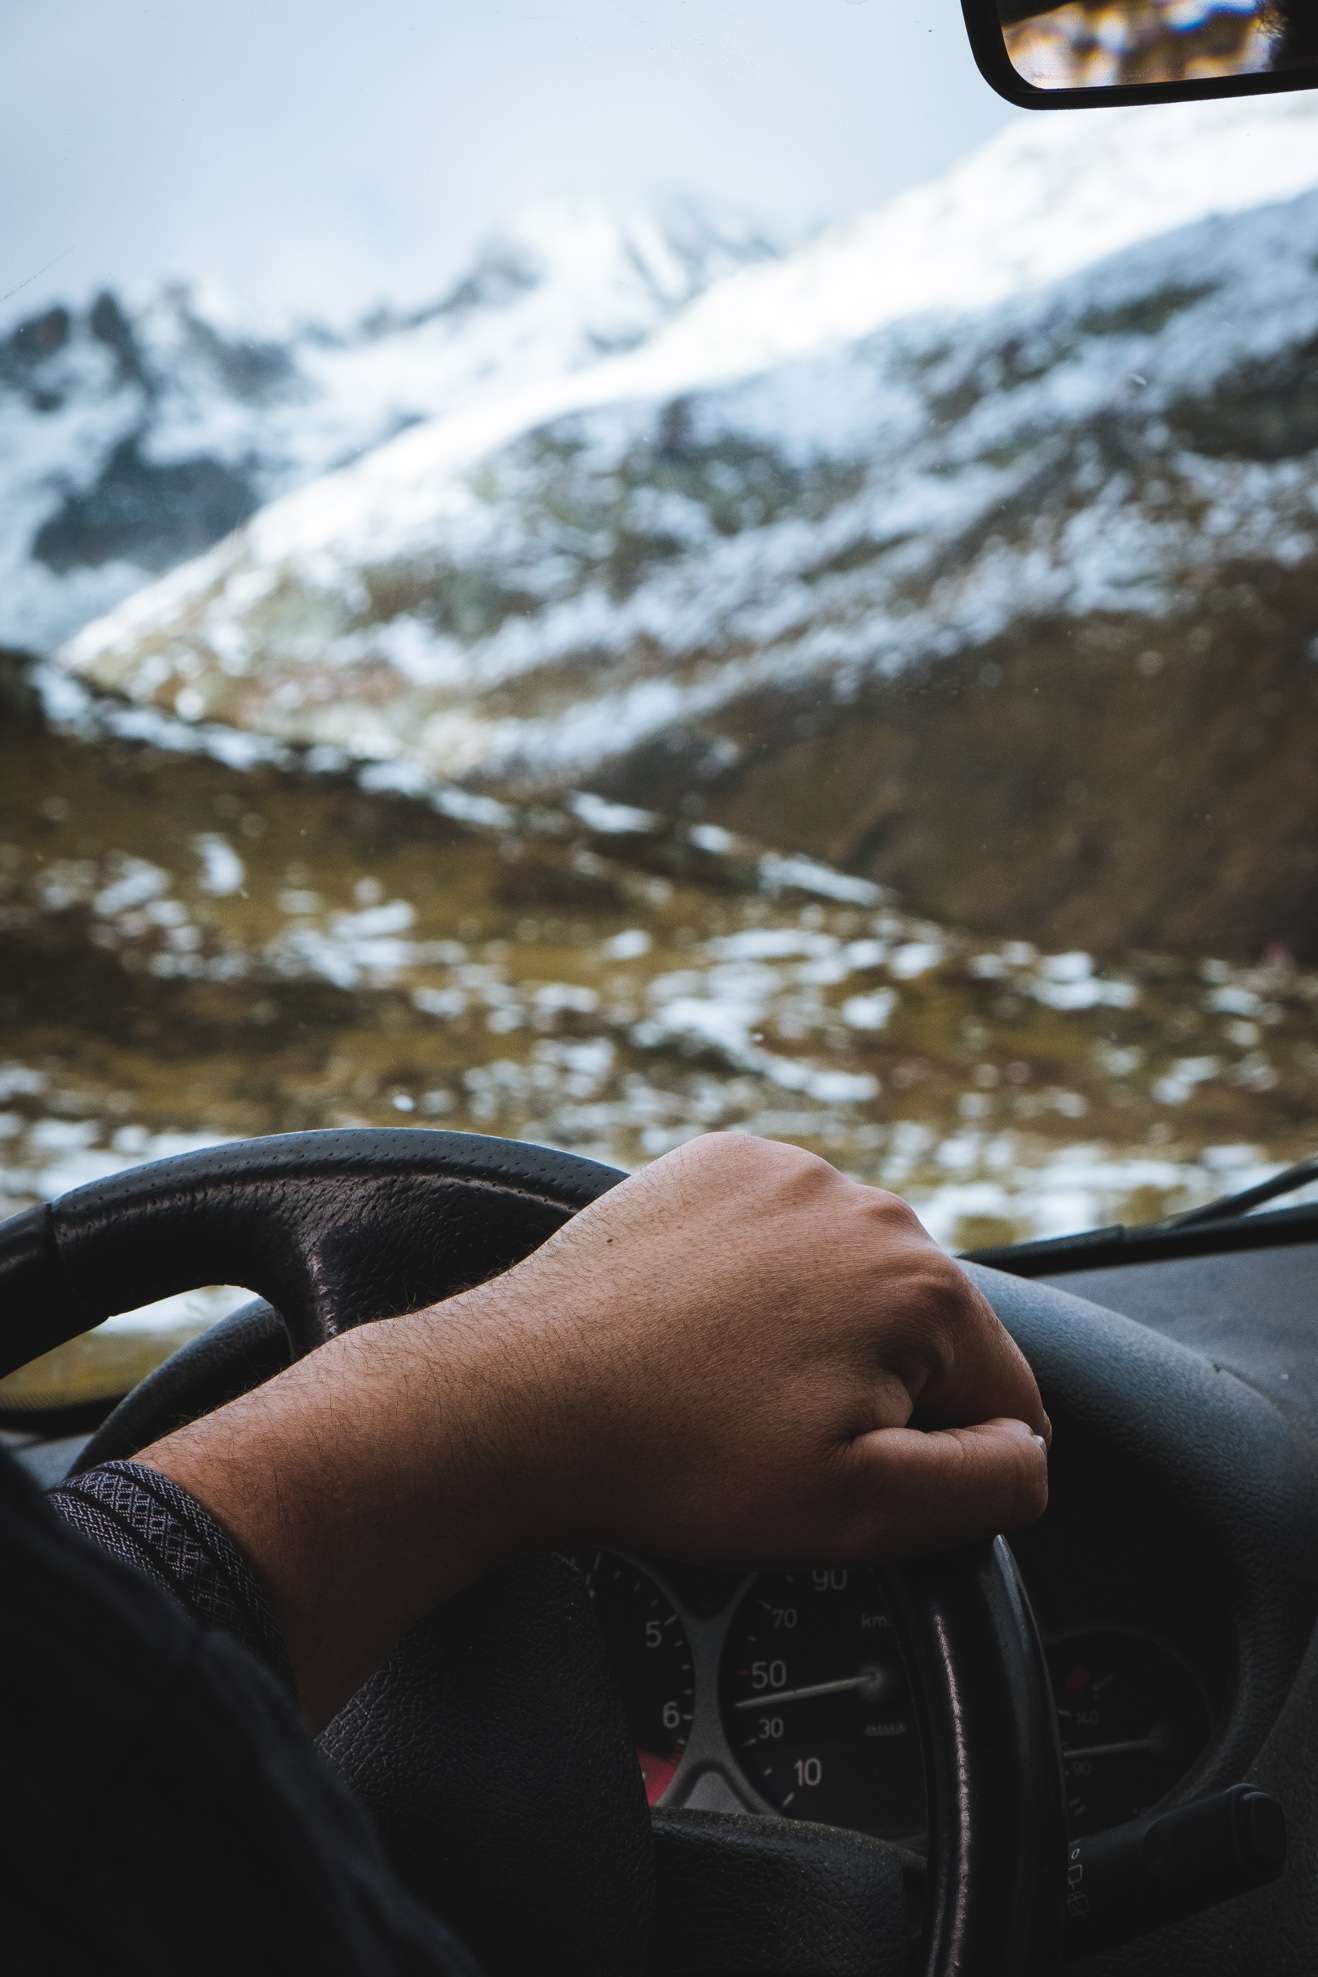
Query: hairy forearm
(368, 1482)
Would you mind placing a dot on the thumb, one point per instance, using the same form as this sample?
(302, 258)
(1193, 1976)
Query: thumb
(924, 1491)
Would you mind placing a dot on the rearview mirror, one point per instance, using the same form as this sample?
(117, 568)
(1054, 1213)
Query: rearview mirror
(1047, 55)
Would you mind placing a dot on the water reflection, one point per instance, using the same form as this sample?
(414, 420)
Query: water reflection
(1101, 44)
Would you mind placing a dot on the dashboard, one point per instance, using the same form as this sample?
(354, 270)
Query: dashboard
(1174, 1580)
(784, 1693)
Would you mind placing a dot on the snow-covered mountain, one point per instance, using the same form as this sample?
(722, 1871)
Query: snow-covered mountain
(134, 433)
(860, 526)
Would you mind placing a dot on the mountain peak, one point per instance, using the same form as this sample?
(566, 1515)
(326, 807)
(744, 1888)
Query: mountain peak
(570, 236)
(180, 406)
(632, 262)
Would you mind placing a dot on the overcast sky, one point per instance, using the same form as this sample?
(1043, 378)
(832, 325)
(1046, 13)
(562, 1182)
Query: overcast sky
(323, 153)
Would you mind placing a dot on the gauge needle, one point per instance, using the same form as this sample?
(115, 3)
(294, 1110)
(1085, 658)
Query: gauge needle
(1133, 1747)
(869, 1678)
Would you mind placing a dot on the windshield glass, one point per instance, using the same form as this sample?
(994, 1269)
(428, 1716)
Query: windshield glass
(594, 574)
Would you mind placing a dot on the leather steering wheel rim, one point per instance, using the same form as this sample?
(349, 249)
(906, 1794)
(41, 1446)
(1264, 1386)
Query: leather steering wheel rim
(330, 1226)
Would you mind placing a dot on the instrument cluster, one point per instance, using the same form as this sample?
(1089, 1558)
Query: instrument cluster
(785, 1693)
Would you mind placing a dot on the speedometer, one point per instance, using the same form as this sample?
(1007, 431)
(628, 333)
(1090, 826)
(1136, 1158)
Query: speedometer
(816, 1706)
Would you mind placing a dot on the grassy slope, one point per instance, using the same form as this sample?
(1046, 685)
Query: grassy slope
(1108, 783)
(377, 950)
(611, 989)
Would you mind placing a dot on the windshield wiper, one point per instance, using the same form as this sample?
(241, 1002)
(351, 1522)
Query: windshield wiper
(1228, 1212)
(1227, 1206)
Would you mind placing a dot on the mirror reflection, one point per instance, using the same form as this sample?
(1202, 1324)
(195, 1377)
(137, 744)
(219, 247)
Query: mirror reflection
(1106, 44)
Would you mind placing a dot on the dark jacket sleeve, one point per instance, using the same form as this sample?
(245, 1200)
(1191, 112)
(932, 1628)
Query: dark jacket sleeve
(131, 1512)
(167, 1812)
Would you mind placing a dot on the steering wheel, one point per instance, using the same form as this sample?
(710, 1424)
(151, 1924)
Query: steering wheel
(491, 1747)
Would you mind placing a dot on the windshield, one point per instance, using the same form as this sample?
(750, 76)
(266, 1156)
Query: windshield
(594, 574)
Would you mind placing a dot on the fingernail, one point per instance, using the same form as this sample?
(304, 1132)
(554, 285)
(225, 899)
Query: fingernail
(1041, 1442)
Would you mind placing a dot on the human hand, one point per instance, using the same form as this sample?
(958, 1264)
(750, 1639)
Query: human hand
(721, 1359)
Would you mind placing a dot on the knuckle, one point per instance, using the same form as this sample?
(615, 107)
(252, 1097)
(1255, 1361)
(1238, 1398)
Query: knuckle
(740, 1149)
(792, 1168)
(893, 1212)
(944, 1296)
(797, 1159)
(718, 1154)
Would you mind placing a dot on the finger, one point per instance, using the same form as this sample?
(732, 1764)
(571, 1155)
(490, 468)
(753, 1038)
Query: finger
(923, 1491)
(986, 1375)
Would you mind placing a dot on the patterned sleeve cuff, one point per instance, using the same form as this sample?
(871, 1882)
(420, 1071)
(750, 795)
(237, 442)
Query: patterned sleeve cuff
(140, 1517)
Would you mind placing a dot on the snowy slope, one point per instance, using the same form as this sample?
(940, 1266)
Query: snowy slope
(692, 574)
(1046, 197)
(134, 433)
(1040, 203)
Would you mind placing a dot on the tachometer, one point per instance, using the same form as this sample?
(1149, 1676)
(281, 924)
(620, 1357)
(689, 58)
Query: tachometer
(816, 1706)
(1132, 1721)
(651, 1661)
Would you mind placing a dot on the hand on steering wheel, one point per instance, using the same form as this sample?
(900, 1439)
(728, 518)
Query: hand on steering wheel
(718, 1361)
(728, 1350)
